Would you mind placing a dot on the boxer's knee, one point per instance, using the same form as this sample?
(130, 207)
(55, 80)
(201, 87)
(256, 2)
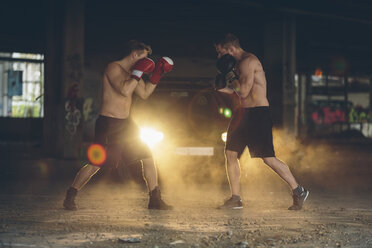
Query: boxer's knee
(273, 163)
(95, 168)
(148, 162)
(269, 160)
(91, 169)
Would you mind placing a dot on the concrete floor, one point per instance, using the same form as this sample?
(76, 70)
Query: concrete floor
(338, 212)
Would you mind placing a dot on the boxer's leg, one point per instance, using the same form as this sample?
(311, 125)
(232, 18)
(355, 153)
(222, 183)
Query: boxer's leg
(235, 145)
(233, 175)
(81, 178)
(150, 173)
(282, 170)
(84, 175)
(135, 150)
(233, 171)
(151, 178)
(299, 193)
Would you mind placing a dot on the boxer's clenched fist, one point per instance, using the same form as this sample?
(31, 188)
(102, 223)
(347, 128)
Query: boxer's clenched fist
(164, 65)
(145, 65)
(226, 65)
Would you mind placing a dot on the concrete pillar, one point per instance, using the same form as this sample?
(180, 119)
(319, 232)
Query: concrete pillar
(72, 77)
(64, 78)
(301, 105)
(272, 63)
(280, 67)
(370, 97)
(289, 71)
(53, 80)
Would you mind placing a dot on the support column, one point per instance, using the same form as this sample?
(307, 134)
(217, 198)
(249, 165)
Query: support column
(52, 127)
(64, 79)
(72, 77)
(370, 97)
(289, 71)
(280, 67)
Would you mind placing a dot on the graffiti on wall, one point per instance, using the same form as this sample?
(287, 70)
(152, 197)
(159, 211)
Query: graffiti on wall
(73, 114)
(88, 109)
(331, 112)
(74, 77)
(74, 68)
(73, 117)
(359, 114)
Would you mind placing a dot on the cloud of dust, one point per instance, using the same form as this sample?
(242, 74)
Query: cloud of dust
(322, 164)
(315, 165)
(189, 174)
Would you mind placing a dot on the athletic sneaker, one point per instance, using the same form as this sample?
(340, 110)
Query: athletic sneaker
(299, 199)
(235, 202)
(69, 202)
(156, 202)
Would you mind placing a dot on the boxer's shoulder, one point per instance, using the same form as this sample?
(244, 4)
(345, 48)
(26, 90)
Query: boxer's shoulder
(249, 59)
(114, 68)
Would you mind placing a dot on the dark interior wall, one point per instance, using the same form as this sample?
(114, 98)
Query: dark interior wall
(175, 28)
(182, 30)
(185, 29)
(23, 29)
(23, 26)
(321, 42)
(19, 129)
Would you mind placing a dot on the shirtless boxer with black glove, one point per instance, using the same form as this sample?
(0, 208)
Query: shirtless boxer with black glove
(251, 125)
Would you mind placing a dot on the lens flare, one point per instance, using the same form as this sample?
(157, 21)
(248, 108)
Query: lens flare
(220, 110)
(151, 136)
(318, 72)
(44, 168)
(96, 154)
(224, 136)
(227, 112)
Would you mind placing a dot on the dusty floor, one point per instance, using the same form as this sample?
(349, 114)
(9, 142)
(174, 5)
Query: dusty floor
(338, 212)
(327, 220)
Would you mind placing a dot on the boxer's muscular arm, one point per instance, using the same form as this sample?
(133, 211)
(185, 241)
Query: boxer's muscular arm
(226, 90)
(163, 65)
(123, 86)
(246, 77)
(144, 89)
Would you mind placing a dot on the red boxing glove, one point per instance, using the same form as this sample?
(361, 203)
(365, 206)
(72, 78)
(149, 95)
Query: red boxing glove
(164, 65)
(145, 65)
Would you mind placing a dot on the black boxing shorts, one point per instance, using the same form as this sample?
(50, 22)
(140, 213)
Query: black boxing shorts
(251, 127)
(120, 138)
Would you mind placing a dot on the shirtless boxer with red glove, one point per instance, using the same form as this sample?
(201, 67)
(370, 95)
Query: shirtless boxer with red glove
(115, 130)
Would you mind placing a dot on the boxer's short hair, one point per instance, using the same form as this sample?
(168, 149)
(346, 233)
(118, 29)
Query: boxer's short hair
(135, 45)
(227, 40)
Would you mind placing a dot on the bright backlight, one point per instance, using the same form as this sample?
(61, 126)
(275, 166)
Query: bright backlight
(151, 136)
(227, 112)
(224, 136)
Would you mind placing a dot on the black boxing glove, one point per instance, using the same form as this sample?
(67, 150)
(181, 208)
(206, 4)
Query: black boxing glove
(226, 65)
(219, 82)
